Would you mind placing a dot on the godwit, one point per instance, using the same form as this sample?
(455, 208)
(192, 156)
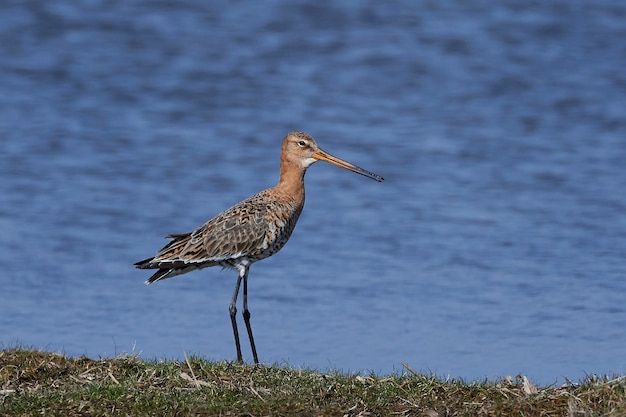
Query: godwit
(252, 230)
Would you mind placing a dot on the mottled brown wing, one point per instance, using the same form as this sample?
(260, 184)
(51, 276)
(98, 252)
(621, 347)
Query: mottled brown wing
(236, 232)
(255, 229)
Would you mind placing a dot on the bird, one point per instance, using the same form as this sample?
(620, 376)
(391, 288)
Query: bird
(249, 231)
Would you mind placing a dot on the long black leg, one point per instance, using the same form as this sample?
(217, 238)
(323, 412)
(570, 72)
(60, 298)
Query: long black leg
(246, 316)
(233, 311)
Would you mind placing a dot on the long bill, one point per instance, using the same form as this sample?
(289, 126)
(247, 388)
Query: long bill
(320, 155)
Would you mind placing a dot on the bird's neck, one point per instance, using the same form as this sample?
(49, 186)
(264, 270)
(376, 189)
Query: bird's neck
(291, 182)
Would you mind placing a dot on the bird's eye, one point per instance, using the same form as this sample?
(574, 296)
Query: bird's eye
(301, 143)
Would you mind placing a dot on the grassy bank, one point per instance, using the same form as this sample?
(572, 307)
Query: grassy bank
(42, 383)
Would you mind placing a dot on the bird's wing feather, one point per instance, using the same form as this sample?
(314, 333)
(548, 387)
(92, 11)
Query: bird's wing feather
(236, 232)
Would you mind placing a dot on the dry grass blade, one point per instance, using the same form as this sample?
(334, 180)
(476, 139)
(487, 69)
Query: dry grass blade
(193, 375)
(408, 368)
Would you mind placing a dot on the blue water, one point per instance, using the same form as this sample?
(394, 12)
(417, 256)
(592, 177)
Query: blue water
(495, 246)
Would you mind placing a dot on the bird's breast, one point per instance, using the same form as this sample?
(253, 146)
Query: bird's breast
(279, 223)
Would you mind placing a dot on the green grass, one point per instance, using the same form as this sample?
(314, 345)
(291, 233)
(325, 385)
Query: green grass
(41, 383)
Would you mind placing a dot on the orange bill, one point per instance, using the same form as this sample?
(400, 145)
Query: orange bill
(320, 155)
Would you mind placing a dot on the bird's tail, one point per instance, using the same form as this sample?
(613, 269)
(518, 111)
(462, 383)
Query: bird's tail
(167, 268)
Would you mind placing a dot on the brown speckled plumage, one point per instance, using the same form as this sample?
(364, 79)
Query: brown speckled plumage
(252, 230)
(249, 231)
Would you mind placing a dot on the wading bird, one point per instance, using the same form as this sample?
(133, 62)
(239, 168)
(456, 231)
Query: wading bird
(252, 230)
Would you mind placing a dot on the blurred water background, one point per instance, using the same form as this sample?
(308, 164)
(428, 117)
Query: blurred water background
(496, 245)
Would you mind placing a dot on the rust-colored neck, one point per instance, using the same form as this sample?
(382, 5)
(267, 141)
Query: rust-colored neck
(291, 182)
